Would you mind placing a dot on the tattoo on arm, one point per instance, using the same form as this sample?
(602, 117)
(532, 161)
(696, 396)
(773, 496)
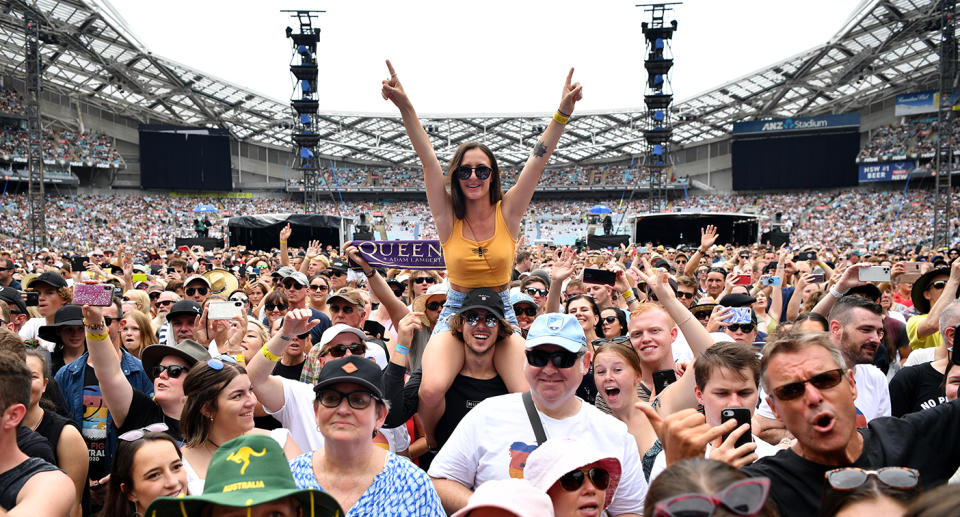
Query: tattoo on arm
(539, 150)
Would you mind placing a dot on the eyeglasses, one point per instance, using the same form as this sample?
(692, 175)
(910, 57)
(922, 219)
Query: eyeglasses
(939, 284)
(356, 399)
(473, 319)
(136, 434)
(483, 172)
(341, 350)
(334, 273)
(533, 291)
(681, 294)
(217, 363)
(173, 370)
(560, 358)
(154, 296)
(345, 309)
(574, 479)
(107, 320)
(821, 381)
(191, 290)
(164, 303)
(746, 497)
(275, 307)
(318, 288)
(434, 306)
(849, 478)
(239, 299)
(529, 311)
(422, 279)
(746, 328)
(610, 319)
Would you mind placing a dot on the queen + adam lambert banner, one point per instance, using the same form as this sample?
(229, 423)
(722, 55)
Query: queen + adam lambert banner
(422, 254)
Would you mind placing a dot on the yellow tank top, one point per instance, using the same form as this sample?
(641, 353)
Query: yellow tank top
(475, 264)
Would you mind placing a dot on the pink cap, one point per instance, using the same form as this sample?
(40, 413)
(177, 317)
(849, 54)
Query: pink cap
(557, 456)
(516, 496)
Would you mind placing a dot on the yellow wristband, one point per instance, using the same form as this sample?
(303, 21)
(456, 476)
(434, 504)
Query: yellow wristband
(561, 119)
(628, 294)
(268, 354)
(97, 337)
(283, 242)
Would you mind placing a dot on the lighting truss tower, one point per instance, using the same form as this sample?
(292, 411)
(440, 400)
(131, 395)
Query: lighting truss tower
(658, 95)
(303, 66)
(38, 225)
(945, 122)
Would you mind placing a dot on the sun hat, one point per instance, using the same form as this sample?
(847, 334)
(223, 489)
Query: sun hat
(516, 496)
(189, 350)
(68, 315)
(245, 472)
(557, 456)
(921, 304)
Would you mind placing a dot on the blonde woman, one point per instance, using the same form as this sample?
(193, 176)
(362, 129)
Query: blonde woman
(136, 332)
(136, 299)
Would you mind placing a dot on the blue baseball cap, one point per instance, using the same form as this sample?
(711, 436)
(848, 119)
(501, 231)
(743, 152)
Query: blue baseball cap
(558, 329)
(519, 297)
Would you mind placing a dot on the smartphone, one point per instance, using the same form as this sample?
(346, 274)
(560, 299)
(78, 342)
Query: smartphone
(662, 379)
(140, 277)
(31, 298)
(874, 274)
(98, 295)
(911, 272)
(739, 315)
(770, 281)
(599, 276)
(743, 280)
(817, 278)
(224, 310)
(77, 263)
(171, 270)
(742, 416)
(252, 271)
(183, 248)
(806, 255)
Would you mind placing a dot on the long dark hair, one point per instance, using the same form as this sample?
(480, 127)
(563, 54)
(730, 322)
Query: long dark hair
(598, 328)
(621, 317)
(121, 473)
(456, 194)
(202, 387)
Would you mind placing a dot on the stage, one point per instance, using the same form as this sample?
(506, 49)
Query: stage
(672, 229)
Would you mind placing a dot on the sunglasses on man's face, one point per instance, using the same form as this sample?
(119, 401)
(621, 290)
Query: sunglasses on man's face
(333, 273)
(473, 319)
(533, 291)
(424, 279)
(482, 171)
(341, 350)
(191, 290)
(821, 381)
(560, 358)
(164, 303)
(681, 294)
(292, 286)
(939, 285)
(345, 309)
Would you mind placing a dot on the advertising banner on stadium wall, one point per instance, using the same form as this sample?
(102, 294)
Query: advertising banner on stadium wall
(797, 124)
(890, 171)
(918, 102)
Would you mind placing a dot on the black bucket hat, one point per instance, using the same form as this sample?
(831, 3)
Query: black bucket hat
(65, 316)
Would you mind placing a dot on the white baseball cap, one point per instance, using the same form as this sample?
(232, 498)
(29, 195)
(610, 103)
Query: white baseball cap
(558, 456)
(516, 496)
(336, 330)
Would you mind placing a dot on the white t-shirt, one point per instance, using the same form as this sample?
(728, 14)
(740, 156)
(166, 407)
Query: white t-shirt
(681, 349)
(920, 356)
(660, 463)
(873, 395)
(297, 414)
(495, 438)
(29, 331)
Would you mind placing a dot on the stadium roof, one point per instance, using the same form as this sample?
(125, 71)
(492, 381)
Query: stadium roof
(885, 47)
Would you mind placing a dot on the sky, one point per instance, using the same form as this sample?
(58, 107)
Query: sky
(494, 56)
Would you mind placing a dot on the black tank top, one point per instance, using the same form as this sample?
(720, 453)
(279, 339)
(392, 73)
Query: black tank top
(13, 480)
(50, 427)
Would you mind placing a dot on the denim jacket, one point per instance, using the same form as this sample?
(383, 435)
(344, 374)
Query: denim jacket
(70, 379)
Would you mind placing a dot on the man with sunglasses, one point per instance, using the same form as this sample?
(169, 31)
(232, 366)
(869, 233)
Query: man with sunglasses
(346, 307)
(296, 284)
(687, 290)
(337, 273)
(7, 268)
(537, 288)
(18, 308)
(197, 288)
(292, 402)
(494, 440)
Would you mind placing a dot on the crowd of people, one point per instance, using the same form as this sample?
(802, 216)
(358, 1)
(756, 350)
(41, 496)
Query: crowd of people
(913, 137)
(520, 379)
(61, 146)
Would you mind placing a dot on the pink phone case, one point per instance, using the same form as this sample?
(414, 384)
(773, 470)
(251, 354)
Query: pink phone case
(98, 295)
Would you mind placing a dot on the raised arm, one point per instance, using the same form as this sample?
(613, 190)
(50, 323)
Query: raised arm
(437, 197)
(708, 236)
(561, 270)
(116, 389)
(269, 388)
(516, 199)
(848, 280)
(284, 235)
(931, 324)
(395, 307)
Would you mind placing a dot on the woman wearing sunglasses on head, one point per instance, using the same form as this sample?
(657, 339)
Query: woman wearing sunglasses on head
(364, 478)
(148, 464)
(700, 487)
(219, 407)
(851, 492)
(477, 226)
(579, 479)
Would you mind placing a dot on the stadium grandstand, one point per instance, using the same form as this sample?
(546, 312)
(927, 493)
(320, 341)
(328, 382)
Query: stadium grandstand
(101, 86)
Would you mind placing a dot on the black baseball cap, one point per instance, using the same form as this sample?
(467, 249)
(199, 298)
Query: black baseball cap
(185, 307)
(338, 265)
(483, 298)
(355, 369)
(50, 278)
(12, 297)
(737, 300)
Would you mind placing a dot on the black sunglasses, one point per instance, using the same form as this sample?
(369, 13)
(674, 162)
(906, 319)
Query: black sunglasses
(341, 350)
(154, 296)
(745, 327)
(277, 307)
(331, 272)
(610, 319)
(164, 303)
(434, 306)
(191, 290)
(292, 286)
(681, 294)
(346, 309)
(821, 381)
(427, 279)
(318, 288)
(529, 311)
(356, 399)
(573, 480)
(173, 370)
(398, 292)
(940, 284)
(560, 358)
(483, 172)
(533, 291)
(107, 320)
